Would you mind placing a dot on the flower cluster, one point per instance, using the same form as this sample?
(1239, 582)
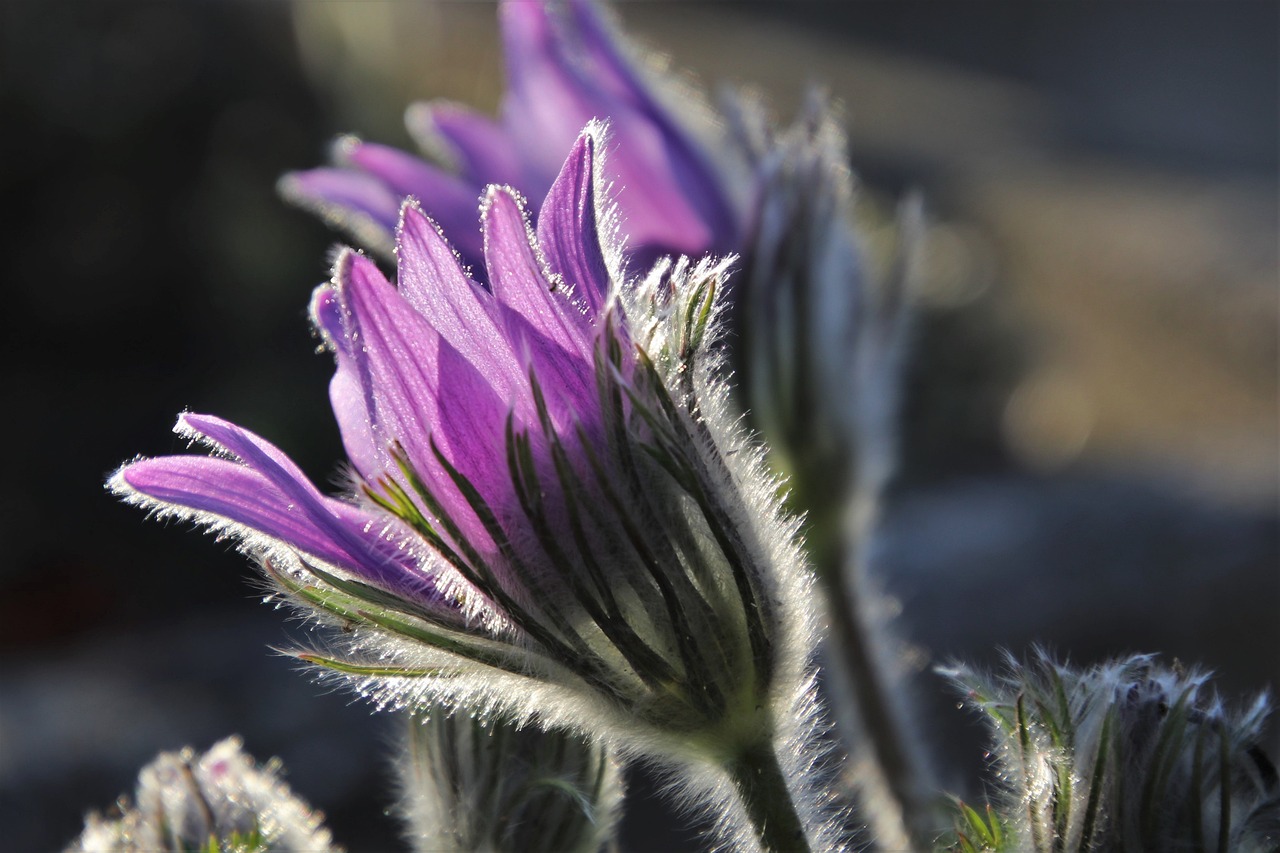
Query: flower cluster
(557, 547)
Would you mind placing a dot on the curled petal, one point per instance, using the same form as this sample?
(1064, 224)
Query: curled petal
(263, 494)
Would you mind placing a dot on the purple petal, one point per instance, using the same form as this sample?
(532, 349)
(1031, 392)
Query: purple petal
(348, 395)
(546, 103)
(519, 280)
(568, 230)
(390, 388)
(269, 495)
(451, 200)
(688, 162)
(552, 334)
(462, 312)
(388, 354)
(361, 205)
(668, 195)
(483, 150)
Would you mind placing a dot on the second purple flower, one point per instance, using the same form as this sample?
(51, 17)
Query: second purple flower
(566, 66)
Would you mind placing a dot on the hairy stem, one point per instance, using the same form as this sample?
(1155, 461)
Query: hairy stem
(758, 779)
(867, 711)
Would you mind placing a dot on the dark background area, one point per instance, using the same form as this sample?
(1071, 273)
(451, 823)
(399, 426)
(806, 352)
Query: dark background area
(151, 268)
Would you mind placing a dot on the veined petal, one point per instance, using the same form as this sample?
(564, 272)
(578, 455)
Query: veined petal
(463, 313)
(552, 334)
(519, 277)
(481, 148)
(386, 354)
(568, 230)
(400, 383)
(265, 493)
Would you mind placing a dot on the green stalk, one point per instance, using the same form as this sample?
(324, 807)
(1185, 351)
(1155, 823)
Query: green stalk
(758, 779)
(872, 722)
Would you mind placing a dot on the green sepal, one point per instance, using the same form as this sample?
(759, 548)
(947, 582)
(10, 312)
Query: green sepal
(349, 608)
(372, 671)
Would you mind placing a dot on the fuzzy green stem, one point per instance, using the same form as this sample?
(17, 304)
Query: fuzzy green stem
(759, 781)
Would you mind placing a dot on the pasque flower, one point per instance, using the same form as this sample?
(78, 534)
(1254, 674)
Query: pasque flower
(566, 66)
(552, 515)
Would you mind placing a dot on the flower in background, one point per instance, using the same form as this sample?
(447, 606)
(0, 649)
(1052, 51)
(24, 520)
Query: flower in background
(553, 515)
(819, 345)
(218, 802)
(566, 66)
(469, 785)
(1126, 755)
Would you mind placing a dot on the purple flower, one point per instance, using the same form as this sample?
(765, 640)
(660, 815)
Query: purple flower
(565, 67)
(434, 377)
(546, 487)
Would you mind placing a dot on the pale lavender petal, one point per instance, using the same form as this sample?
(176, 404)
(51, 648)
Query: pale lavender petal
(449, 199)
(568, 230)
(483, 150)
(392, 362)
(359, 204)
(520, 281)
(347, 393)
(553, 335)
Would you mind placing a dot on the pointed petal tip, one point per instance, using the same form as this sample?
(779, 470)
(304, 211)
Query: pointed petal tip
(325, 313)
(290, 187)
(595, 131)
(504, 196)
(197, 427)
(412, 216)
(343, 261)
(355, 269)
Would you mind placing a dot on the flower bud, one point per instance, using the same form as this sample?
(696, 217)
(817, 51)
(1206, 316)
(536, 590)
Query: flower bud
(1126, 755)
(468, 784)
(218, 802)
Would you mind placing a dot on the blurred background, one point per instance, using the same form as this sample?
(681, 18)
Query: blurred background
(1090, 452)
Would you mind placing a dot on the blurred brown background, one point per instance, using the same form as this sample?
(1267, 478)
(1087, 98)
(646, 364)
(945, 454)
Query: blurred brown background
(1090, 437)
